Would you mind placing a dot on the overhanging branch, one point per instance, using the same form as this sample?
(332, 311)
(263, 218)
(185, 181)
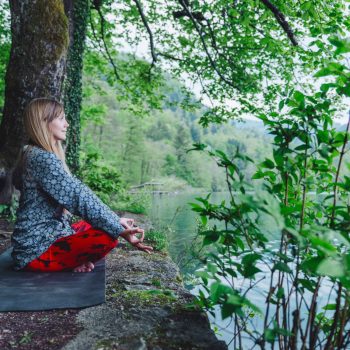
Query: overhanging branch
(281, 19)
(145, 23)
(188, 13)
(102, 19)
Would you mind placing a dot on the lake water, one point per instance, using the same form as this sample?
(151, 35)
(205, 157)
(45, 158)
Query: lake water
(172, 213)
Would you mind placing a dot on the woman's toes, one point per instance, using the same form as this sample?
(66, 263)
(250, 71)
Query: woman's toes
(90, 265)
(87, 267)
(80, 268)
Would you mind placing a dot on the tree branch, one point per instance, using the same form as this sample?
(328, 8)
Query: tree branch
(281, 19)
(342, 152)
(98, 9)
(171, 57)
(145, 23)
(199, 31)
(183, 13)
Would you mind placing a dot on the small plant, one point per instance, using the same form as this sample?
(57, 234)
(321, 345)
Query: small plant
(26, 338)
(138, 202)
(156, 282)
(101, 177)
(154, 296)
(158, 240)
(8, 211)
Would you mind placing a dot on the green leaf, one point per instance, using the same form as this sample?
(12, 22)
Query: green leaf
(250, 258)
(268, 163)
(331, 267)
(280, 292)
(299, 97)
(211, 236)
(307, 284)
(240, 243)
(219, 291)
(249, 271)
(310, 265)
(281, 266)
(323, 73)
(302, 147)
(269, 335)
(204, 220)
(330, 307)
(342, 45)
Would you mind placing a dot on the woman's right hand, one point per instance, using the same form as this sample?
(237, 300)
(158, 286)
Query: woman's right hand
(131, 235)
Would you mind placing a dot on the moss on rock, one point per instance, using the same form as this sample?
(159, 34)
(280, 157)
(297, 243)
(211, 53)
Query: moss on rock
(149, 297)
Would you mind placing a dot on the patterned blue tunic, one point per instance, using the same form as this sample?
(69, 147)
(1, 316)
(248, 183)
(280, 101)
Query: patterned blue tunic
(46, 190)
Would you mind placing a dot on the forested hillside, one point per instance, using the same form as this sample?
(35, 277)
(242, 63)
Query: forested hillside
(153, 147)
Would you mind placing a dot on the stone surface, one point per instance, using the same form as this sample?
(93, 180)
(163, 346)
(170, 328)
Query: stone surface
(146, 308)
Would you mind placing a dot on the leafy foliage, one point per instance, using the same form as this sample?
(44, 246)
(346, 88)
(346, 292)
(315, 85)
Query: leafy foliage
(103, 179)
(230, 51)
(303, 193)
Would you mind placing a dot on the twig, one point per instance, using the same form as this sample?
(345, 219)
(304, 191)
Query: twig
(102, 19)
(145, 23)
(338, 171)
(335, 318)
(345, 311)
(311, 313)
(212, 63)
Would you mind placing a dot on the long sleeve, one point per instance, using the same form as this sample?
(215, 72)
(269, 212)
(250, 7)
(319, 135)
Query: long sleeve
(48, 172)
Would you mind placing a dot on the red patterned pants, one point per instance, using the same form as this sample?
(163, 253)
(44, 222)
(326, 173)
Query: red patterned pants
(86, 244)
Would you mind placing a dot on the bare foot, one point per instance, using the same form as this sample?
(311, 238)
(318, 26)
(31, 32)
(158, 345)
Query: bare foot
(87, 267)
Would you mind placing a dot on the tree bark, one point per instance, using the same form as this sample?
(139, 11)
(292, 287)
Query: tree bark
(36, 68)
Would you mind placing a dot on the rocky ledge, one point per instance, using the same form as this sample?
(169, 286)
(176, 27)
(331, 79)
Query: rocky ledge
(146, 308)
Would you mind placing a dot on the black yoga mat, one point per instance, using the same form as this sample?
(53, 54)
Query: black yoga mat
(32, 291)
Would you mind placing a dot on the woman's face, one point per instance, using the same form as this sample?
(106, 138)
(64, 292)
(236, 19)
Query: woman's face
(58, 128)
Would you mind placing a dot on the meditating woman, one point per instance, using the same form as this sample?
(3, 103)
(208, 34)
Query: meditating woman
(43, 239)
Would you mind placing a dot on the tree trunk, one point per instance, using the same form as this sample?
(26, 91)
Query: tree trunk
(40, 37)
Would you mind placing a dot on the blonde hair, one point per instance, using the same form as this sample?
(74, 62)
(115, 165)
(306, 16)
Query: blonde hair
(38, 114)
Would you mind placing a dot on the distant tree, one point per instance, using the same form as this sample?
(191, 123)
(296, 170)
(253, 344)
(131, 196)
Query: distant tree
(182, 143)
(160, 131)
(132, 154)
(195, 134)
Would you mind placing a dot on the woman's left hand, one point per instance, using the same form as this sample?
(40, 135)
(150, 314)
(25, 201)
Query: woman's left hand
(127, 223)
(130, 235)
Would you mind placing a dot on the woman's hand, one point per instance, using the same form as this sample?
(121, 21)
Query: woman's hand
(127, 223)
(131, 233)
